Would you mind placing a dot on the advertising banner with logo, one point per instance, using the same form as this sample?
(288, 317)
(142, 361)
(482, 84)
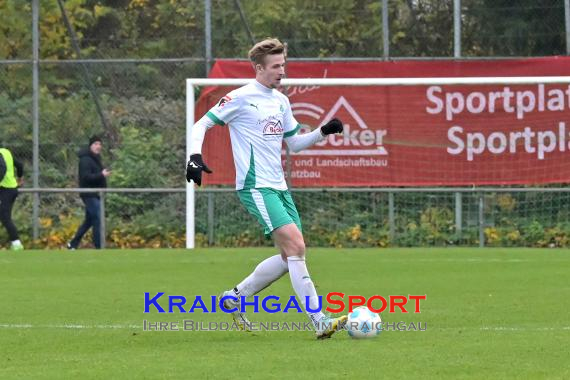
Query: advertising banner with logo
(446, 135)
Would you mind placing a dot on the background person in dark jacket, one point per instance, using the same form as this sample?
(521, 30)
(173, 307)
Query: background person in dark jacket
(92, 174)
(11, 176)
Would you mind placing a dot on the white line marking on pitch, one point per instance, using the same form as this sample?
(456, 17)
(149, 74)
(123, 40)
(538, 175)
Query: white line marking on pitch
(473, 260)
(504, 328)
(67, 326)
(525, 328)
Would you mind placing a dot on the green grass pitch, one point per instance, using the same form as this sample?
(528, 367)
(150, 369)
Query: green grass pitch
(490, 314)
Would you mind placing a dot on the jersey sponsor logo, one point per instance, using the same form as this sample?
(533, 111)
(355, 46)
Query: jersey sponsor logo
(273, 128)
(224, 100)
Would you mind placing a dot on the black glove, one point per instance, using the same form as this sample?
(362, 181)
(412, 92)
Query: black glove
(333, 126)
(194, 169)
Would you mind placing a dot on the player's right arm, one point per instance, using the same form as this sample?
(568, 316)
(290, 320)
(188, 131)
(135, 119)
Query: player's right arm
(198, 133)
(222, 113)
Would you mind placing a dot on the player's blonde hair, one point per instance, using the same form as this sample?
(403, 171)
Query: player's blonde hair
(262, 49)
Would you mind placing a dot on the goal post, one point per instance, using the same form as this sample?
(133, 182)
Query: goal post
(193, 83)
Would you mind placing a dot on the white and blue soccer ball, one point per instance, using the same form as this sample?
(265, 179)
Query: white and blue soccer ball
(363, 323)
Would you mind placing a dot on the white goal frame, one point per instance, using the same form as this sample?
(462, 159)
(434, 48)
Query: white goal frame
(193, 82)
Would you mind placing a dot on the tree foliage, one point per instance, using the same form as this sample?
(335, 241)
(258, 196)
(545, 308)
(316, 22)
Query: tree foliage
(313, 28)
(143, 102)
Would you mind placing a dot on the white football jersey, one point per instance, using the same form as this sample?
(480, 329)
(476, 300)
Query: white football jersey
(259, 118)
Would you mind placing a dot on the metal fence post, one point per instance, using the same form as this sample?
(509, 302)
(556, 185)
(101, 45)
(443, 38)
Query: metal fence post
(36, 118)
(385, 30)
(457, 28)
(102, 221)
(208, 33)
(210, 218)
(458, 213)
(567, 23)
(481, 221)
(391, 217)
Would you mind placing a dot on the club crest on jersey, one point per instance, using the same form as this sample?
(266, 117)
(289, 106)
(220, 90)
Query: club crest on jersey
(224, 100)
(273, 128)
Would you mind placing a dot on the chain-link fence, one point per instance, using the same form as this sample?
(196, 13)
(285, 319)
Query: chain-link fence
(400, 217)
(330, 217)
(117, 68)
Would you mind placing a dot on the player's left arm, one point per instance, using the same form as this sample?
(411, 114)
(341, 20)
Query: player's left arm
(297, 142)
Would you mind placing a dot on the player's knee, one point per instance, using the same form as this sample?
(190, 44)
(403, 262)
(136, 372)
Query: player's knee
(294, 249)
(299, 249)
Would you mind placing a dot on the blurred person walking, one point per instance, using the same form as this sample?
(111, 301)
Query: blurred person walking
(92, 174)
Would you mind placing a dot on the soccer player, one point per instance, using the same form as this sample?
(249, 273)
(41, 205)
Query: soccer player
(259, 118)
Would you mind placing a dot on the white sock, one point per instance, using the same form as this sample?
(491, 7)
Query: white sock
(266, 272)
(304, 286)
(16, 242)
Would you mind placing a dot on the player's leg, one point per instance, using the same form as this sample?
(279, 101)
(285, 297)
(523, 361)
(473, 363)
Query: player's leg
(85, 226)
(7, 199)
(95, 211)
(276, 212)
(265, 205)
(264, 274)
(261, 204)
(290, 239)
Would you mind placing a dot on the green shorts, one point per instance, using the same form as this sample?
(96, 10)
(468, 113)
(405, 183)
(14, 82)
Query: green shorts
(272, 208)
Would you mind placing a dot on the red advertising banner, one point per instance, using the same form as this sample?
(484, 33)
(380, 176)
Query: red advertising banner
(433, 135)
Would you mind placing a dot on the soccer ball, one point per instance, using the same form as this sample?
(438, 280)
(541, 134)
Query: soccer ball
(362, 323)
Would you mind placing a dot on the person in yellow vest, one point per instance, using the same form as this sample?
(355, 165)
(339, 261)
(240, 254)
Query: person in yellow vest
(11, 176)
